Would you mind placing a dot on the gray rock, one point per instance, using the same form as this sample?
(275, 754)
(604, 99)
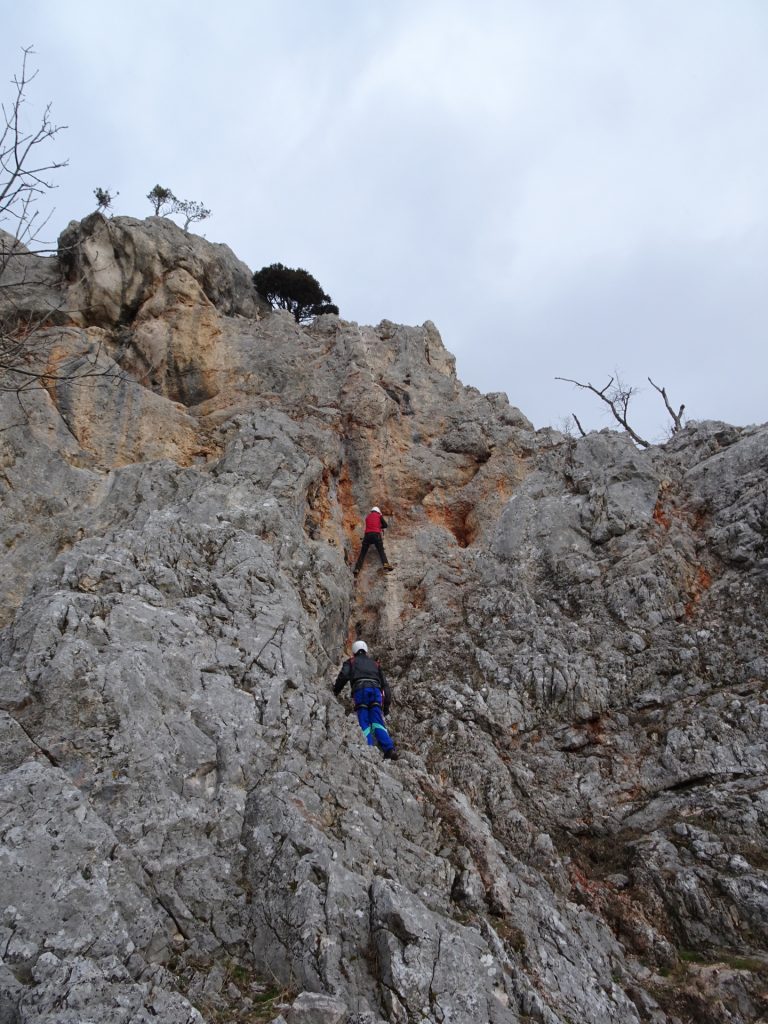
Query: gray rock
(11, 991)
(575, 635)
(114, 264)
(316, 1008)
(31, 294)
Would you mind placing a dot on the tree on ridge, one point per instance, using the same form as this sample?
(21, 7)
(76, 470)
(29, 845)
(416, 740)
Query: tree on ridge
(295, 290)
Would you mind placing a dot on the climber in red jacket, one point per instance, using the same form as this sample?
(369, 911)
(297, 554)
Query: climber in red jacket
(374, 524)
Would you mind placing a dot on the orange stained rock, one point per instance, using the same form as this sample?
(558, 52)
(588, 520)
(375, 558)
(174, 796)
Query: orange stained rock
(456, 518)
(702, 581)
(660, 516)
(350, 514)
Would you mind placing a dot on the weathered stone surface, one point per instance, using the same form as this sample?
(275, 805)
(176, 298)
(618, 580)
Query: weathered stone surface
(11, 991)
(75, 990)
(190, 825)
(115, 265)
(316, 1008)
(30, 294)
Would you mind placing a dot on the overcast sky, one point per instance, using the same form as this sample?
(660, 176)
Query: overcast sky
(565, 187)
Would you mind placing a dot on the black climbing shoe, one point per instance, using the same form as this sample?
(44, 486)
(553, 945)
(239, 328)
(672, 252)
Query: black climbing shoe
(391, 755)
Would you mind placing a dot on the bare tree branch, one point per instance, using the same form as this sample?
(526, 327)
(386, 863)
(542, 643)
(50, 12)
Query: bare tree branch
(617, 397)
(24, 178)
(677, 417)
(582, 431)
(30, 300)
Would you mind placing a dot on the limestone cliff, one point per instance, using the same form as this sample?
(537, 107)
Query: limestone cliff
(191, 827)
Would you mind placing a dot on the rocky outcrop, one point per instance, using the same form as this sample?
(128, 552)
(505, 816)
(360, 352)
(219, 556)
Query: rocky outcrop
(30, 293)
(114, 266)
(191, 827)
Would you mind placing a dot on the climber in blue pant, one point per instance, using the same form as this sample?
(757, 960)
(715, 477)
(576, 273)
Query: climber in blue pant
(371, 694)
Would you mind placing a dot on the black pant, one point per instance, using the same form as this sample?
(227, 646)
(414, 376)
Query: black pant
(369, 539)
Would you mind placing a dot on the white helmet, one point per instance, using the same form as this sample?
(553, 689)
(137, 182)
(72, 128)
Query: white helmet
(359, 645)
(376, 509)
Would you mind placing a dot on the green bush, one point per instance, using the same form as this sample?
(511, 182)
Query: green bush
(295, 290)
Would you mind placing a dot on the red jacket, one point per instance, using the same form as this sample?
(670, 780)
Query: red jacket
(374, 522)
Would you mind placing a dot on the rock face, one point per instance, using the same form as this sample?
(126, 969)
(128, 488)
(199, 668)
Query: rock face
(191, 827)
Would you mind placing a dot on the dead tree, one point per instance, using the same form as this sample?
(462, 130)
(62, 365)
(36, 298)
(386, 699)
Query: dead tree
(582, 431)
(677, 417)
(617, 397)
(25, 178)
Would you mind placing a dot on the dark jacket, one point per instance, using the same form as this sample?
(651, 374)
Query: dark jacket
(360, 671)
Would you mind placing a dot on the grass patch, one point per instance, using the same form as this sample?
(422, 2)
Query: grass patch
(265, 1005)
(692, 956)
(243, 997)
(733, 960)
(746, 963)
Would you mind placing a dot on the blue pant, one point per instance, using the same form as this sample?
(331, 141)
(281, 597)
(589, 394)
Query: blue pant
(371, 718)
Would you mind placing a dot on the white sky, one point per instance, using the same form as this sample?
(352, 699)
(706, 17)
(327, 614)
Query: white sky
(564, 187)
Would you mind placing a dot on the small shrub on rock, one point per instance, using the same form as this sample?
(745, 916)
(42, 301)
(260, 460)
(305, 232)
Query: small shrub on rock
(295, 290)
